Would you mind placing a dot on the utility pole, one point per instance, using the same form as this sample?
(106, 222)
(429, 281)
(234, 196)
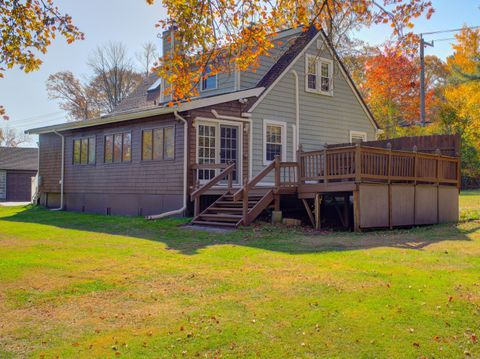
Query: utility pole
(423, 43)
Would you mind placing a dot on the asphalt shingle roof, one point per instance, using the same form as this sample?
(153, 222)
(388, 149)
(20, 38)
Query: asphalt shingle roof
(18, 158)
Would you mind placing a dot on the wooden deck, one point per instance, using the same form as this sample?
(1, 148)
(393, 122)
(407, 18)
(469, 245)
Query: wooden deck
(315, 173)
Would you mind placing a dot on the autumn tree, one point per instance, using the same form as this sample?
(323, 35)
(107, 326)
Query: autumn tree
(27, 29)
(227, 34)
(147, 57)
(77, 99)
(113, 78)
(461, 108)
(391, 88)
(9, 137)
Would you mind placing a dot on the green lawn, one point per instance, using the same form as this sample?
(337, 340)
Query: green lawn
(78, 285)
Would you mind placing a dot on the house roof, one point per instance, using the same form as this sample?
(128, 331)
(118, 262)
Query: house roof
(141, 97)
(18, 158)
(150, 111)
(286, 59)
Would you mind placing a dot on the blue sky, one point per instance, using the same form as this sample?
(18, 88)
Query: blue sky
(132, 22)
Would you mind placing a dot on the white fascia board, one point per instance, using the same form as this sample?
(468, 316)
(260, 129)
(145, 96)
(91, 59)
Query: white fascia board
(152, 111)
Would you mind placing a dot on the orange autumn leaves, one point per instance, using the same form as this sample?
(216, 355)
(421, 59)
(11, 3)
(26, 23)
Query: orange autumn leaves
(27, 28)
(391, 86)
(228, 35)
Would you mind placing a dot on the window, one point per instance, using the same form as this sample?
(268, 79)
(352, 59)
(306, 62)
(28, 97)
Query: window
(319, 75)
(357, 136)
(158, 144)
(209, 82)
(274, 140)
(84, 151)
(118, 148)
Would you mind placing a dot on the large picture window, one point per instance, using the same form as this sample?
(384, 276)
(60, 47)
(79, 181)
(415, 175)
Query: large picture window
(84, 151)
(158, 144)
(274, 134)
(318, 75)
(118, 148)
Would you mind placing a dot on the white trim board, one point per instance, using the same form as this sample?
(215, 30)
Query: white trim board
(358, 134)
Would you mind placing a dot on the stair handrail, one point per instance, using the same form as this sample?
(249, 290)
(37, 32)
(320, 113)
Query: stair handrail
(226, 172)
(248, 185)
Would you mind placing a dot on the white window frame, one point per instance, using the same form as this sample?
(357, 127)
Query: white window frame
(281, 124)
(357, 134)
(318, 73)
(217, 123)
(202, 79)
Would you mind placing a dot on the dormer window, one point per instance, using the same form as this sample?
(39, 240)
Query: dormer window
(155, 86)
(209, 82)
(318, 75)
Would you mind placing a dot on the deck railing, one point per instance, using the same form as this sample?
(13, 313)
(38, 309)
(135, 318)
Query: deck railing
(360, 163)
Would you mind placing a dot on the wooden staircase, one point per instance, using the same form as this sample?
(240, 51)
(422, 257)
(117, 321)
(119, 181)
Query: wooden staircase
(226, 212)
(248, 202)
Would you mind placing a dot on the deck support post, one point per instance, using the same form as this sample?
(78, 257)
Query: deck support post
(318, 202)
(196, 207)
(245, 205)
(356, 210)
(346, 203)
(309, 212)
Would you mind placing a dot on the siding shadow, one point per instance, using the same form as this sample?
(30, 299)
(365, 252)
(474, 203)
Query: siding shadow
(279, 239)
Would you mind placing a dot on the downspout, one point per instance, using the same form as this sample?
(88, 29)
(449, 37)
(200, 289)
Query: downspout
(297, 113)
(62, 172)
(185, 171)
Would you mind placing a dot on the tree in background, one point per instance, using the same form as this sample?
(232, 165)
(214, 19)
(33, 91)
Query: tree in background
(113, 78)
(27, 29)
(77, 99)
(10, 137)
(461, 105)
(227, 35)
(391, 88)
(147, 57)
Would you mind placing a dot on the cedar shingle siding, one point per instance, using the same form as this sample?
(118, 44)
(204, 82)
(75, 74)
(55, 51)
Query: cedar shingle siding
(130, 188)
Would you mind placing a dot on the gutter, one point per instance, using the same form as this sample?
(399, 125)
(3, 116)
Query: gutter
(297, 113)
(185, 172)
(62, 171)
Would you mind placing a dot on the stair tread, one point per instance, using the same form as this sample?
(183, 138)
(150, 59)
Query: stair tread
(228, 209)
(220, 215)
(218, 224)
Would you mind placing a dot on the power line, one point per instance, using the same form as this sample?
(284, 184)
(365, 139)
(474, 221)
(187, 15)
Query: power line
(41, 116)
(444, 39)
(451, 30)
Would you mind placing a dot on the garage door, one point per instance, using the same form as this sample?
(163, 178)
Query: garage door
(19, 187)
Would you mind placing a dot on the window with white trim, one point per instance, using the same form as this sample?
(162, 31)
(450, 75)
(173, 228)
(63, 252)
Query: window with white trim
(274, 140)
(318, 75)
(358, 136)
(209, 82)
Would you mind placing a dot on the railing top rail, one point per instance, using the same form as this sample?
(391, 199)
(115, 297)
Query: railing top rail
(230, 168)
(255, 180)
(408, 153)
(288, 164)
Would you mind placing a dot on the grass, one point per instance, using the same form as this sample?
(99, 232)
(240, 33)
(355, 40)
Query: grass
(83, 286)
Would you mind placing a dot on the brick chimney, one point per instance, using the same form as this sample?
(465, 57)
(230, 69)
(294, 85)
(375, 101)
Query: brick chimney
(168, 40)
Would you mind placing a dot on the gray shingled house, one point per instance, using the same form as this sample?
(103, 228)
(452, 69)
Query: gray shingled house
(17, 167)
(146, 158)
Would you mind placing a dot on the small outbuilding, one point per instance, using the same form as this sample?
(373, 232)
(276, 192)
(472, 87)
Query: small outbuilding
(17, 167)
